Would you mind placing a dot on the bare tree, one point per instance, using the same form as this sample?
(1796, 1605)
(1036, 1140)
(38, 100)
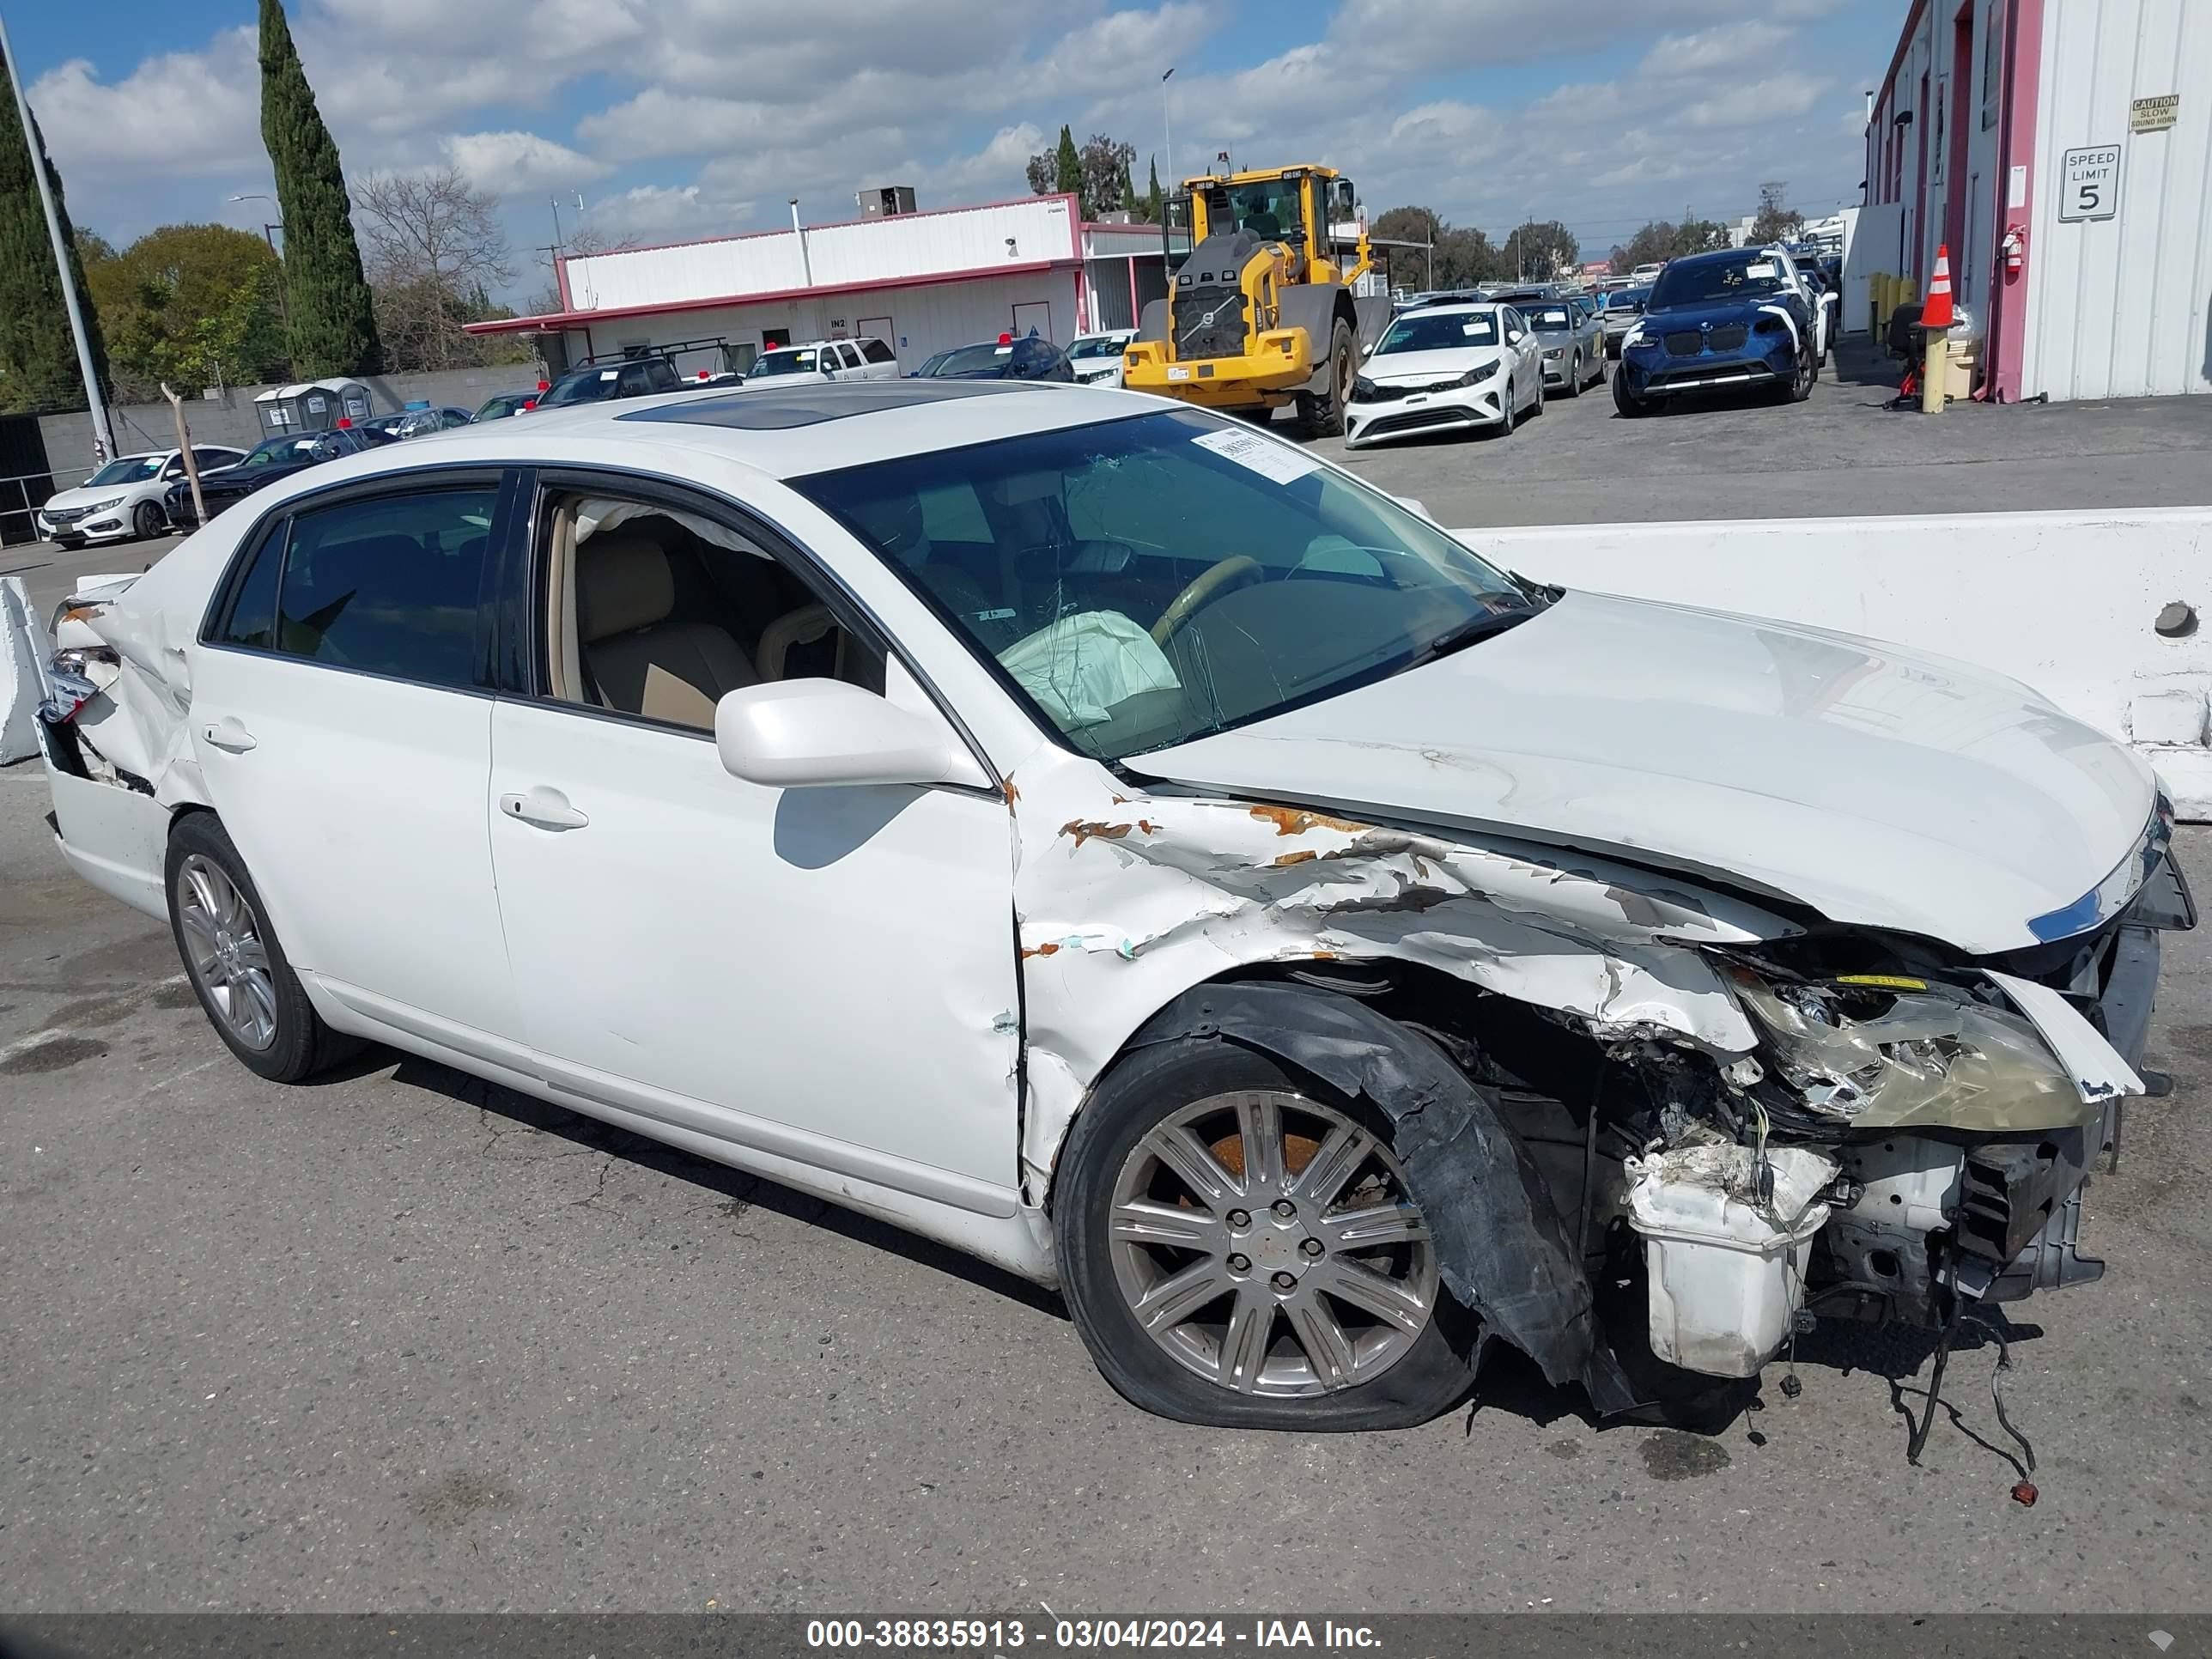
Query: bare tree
(435, 251)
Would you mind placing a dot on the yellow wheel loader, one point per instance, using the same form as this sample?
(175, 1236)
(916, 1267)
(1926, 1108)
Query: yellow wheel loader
(1261, 311)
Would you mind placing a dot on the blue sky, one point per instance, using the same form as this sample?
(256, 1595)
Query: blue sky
(680, 119)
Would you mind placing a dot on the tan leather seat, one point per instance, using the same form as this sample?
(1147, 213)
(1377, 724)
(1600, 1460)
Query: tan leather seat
(640, 662)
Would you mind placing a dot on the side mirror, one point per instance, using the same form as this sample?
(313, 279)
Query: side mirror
(795, 733)
(828, 372)
(1514, 337)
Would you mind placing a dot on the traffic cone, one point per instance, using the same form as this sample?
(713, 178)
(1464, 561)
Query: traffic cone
(1938, 313)
(1936, 319)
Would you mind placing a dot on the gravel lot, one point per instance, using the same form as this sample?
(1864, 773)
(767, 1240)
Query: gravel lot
(402, 1341)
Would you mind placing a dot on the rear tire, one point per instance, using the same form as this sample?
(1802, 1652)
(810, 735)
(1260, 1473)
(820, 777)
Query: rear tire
(235, 965)
(1321, 415)
(1301, 1367)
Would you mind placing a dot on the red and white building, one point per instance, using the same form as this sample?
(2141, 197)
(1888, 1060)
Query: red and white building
(920, 281)
(2063, 150)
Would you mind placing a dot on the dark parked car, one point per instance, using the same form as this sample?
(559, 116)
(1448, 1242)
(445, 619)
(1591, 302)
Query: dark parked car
(501, 404)
(413, 422)
(1029, 358)
(266, 462)
(1724, 321)
(595, 383)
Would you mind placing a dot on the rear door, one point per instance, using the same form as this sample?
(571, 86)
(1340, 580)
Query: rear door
(341, 719)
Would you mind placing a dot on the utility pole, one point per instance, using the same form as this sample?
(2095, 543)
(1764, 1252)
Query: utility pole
(103, 435)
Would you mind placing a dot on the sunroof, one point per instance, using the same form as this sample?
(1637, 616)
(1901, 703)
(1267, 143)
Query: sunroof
(774, 410)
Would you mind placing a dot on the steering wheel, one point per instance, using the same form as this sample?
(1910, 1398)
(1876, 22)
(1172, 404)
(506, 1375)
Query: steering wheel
(1208, 585)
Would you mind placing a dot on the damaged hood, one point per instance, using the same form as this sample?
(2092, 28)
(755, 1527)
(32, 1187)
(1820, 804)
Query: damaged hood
(1881, 789)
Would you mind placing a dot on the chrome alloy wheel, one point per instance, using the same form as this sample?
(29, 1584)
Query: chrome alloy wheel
(1266, 1241)
(224, 948)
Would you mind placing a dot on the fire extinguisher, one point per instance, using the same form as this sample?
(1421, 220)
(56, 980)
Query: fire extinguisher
(2014, 249)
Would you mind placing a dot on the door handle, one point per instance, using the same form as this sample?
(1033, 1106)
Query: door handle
(548, 809)
(229, 735)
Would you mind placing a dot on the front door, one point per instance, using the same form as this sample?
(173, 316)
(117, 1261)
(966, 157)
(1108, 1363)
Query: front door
(337, 720)
(826, 973)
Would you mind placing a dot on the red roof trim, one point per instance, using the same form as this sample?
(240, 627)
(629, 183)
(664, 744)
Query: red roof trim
(564, 320)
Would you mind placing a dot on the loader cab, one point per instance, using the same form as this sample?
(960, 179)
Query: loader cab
(1310, 210)
(1176, 233)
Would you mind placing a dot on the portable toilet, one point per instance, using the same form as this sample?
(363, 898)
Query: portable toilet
(312, 405)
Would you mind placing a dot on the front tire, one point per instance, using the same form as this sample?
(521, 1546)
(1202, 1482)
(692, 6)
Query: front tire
(1627, 403)
(148, 521)
(235, 965)
(1806, 371)
(1573, 388)
(1321, 415)
(1237, 1250)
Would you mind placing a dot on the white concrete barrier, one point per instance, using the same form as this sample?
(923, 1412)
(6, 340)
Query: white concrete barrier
(2069, 603)
(23, 672)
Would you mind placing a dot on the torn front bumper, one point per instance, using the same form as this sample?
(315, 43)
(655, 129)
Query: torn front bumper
(1993, 1218)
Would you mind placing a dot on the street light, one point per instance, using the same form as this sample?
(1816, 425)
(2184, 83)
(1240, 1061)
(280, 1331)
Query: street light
(284, 303)
(1167, 121)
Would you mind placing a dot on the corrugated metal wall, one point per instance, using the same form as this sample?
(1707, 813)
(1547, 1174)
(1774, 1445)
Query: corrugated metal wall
(866, 250)
(2122, 307)
(922, 320)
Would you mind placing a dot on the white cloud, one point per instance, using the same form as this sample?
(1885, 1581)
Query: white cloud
(181, 112)
(1778, 97)
(662, 213)
(706, 114)
(1678, 56)
(508, 163)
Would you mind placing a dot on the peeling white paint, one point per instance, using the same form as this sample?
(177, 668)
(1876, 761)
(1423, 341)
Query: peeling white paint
(1127, 900)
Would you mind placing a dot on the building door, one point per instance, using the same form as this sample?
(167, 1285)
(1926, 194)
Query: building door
(879, 326)
(1957, 187)
(1033, 314)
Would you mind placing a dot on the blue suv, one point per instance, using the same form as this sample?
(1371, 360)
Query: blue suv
(1720, 322)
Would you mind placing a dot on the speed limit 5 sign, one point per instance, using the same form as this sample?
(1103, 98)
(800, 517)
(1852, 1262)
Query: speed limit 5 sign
(2091, 186)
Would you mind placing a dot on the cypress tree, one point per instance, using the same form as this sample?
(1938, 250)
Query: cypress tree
(332, 320)
(38, 357)
(1155, 204)
(1069, 164)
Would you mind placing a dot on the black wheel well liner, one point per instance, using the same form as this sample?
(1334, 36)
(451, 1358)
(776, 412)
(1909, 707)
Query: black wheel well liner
(1502, 1246)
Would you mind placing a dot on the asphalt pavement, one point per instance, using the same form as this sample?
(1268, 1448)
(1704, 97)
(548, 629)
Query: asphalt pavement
(404, 1340)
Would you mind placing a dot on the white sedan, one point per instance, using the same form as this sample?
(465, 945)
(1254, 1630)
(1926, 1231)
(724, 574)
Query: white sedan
(123, 500)
(1447, 368)
(1125, 846)
(1096, 358)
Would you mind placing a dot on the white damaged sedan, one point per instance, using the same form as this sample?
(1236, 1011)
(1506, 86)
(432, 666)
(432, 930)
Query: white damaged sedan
(1123, 846)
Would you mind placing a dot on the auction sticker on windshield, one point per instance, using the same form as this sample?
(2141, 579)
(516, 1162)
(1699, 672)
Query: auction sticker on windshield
(1257, 455)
